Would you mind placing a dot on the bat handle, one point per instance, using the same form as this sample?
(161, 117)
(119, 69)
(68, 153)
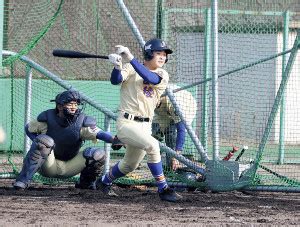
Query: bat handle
(242, 152)
(240, 155)
(230, 153)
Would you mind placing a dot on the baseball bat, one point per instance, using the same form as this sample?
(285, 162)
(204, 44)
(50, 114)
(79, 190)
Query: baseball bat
(75, 54)
(241, 153)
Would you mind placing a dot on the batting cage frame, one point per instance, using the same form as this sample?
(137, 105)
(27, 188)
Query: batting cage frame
(259, 129)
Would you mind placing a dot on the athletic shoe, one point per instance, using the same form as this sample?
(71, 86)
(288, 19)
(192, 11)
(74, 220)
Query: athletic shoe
(105, 188)
(168, 194)
(91, 186)
(19, 185)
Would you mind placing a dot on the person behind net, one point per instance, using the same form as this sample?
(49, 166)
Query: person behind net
(57, 137)
(167, 125)
(141, 88)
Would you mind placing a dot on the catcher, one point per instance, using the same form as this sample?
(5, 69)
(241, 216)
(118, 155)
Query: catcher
(57, 136)
(141, 88)
(168, 126)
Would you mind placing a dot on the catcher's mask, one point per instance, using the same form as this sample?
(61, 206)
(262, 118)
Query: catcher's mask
(67, 97)
(155, 45)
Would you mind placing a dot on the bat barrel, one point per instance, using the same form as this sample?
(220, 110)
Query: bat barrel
(75, 54)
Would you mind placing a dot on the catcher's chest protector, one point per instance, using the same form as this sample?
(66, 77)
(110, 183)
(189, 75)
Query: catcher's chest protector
(67, 139)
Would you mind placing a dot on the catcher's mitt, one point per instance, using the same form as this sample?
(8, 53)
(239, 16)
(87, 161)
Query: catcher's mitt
(117, 144)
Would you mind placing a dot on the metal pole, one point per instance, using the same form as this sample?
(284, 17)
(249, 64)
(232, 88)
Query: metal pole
(207, 74)
(63, 83)
(28, 93)
(181, 158)
(164, 24)
(1, 33)
(131, 22)
(215, 101)
(275, 188)
(189, 129)
(234, 70)
(107, 121)
(285, 35)
(277, 101)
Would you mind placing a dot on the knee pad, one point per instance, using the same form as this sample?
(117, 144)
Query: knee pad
(35, 158)
(42, 146)
(94, 153)
(95, 160)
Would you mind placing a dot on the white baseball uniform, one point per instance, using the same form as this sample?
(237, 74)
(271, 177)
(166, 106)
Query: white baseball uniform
(138, 99)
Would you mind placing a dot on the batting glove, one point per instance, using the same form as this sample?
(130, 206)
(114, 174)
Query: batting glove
(116, 60)
(124, 52)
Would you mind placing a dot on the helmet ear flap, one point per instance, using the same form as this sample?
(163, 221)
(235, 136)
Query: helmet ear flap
(148, 55)
(166, 59)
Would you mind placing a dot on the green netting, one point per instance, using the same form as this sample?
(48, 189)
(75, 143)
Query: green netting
(249, 31)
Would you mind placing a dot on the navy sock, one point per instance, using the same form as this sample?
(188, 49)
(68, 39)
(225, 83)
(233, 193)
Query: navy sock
(113, 174)
(157, 172)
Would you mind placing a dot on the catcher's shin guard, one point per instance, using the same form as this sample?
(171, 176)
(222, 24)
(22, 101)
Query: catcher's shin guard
(95, 160)
(35, 158)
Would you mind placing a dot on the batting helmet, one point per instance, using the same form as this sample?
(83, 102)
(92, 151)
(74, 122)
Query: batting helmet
(155, 45)
(68, 96)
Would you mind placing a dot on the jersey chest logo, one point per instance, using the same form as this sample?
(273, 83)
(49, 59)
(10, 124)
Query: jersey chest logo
(148, 91)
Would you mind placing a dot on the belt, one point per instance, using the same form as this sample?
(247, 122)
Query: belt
(136, 118)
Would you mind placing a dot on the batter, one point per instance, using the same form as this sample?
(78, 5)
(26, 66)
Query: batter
(141, 88)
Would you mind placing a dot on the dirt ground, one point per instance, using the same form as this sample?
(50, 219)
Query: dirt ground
(45, 205)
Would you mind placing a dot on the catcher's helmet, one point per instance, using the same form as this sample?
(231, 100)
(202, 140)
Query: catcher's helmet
(155, 45)
(68, 96)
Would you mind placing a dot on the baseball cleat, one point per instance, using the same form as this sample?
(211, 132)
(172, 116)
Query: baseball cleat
(19, 185)
(91, 186)
(105, 188)
(168, 194)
